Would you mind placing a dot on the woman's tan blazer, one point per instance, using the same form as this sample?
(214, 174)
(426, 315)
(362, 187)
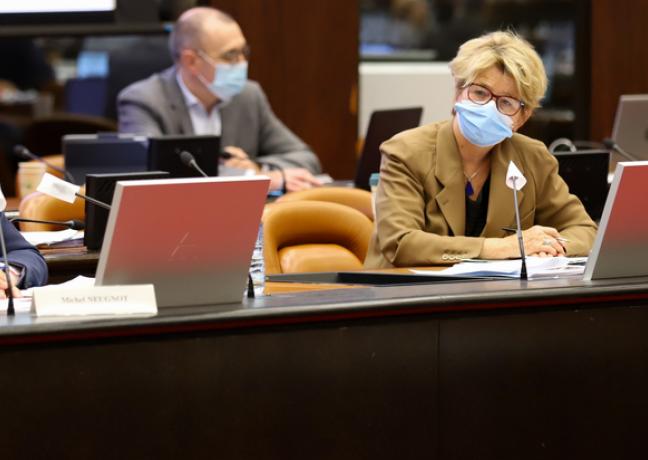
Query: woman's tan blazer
(420, 201)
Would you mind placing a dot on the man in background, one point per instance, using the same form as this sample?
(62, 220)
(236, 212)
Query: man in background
(207, 92)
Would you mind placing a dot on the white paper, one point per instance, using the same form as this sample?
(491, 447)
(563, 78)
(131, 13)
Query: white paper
(38, 238)
(57, 188)
(514, 173)
(3, 201)
(537, 267)
(21, 305)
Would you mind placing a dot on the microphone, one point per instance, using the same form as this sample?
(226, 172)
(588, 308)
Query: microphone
(515, 180)
(23, 152)
(65, 191)
(10, 298)
(610, 144)
(72, 224)
(188, 160)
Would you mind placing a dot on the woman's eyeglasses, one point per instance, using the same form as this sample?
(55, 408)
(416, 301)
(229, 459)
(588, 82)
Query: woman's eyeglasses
(505, 104)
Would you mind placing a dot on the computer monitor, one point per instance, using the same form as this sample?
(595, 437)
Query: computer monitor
(191, 238)
(586, 172)
(383, 125)
(621, 245)
(102, 188)
(104, 153)
(631, 125)
(164, 154)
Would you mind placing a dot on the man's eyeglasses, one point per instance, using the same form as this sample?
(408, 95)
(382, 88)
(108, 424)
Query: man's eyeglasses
(231, 56)
(505, 104)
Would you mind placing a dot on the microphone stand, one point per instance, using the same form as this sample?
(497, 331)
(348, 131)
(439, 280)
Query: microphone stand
(10, 298)
(23, 152)
(612, 145)
(73, 224)
(523, 270)
(93, 201)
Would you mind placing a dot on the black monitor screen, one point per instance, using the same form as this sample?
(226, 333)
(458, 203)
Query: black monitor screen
(586, 172)
(164, 154)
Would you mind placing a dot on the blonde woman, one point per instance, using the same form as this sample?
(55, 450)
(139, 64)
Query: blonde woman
(442, 194)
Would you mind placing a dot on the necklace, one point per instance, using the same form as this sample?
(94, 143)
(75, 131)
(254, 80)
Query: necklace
(469, 188)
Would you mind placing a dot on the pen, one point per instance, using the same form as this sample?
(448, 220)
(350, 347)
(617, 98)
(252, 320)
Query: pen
(513, 230)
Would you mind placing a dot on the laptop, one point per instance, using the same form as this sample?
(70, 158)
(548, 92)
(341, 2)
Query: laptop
(104, 153)
(191, 238)
(621, 245)
(630, 130)
(383, 125)
(102, 188)
(164, 154)
(586, 172)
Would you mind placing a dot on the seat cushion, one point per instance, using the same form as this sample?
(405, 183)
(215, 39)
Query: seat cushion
(317, 258)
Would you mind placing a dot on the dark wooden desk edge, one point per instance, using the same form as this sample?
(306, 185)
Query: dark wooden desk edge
(337, 305)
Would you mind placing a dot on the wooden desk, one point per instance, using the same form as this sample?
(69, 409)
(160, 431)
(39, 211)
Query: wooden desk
(489, 370)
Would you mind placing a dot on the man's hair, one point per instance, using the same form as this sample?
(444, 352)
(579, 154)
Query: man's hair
(188, 31)
(507, 52)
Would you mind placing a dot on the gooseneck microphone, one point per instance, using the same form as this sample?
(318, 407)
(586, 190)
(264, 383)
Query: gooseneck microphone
(523, 269)
(610, 144)
(72, 224)
(188, 160)
(93, 201)
(23, 152)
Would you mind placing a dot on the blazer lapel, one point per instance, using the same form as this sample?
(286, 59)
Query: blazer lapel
(501, 205)
(449, 172)
(181, 119)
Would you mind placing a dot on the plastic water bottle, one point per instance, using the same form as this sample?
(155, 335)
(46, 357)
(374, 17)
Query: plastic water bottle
(257, 266)
(373, 185)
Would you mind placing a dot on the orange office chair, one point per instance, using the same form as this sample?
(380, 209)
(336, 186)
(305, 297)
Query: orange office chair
(39, 206)
(313, 236)
(354, 197)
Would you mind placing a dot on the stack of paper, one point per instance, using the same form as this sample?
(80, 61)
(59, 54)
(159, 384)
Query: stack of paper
(537, 267)
(50, 238)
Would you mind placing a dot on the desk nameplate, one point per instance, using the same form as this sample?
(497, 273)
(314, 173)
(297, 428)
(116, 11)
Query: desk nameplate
(96, 300)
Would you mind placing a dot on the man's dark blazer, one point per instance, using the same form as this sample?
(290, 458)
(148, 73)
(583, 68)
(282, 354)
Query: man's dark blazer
(23, 255)
(156, 106)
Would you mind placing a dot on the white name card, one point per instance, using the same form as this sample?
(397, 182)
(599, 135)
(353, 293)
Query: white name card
(95, 300)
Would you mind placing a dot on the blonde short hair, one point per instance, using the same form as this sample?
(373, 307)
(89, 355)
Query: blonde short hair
(508, 52)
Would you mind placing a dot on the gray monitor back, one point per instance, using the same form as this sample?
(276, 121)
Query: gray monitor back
(621, 245)
(191, 238)
(631, 125)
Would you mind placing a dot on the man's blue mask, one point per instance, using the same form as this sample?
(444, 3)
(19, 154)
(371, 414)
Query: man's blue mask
(483, 125)
(229, 79)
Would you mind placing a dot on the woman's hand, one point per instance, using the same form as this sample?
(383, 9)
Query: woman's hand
(538, 241)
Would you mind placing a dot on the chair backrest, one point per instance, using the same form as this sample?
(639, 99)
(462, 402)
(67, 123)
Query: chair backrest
(39, 206)
(86, 96)
(44, 135)
(353, 197)
(314, 236)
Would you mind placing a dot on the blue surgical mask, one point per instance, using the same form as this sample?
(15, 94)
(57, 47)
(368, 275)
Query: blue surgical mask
(229, 79)
(483, 125)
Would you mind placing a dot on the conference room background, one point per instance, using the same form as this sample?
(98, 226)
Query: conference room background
(307, 54)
